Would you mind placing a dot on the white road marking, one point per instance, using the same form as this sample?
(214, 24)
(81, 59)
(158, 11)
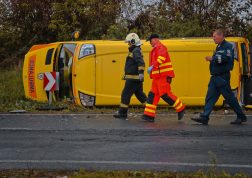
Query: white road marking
(24, 129)
(124, 162)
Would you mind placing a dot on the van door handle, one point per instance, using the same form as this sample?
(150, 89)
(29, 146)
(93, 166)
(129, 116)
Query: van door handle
(113, 61)
(74, 75)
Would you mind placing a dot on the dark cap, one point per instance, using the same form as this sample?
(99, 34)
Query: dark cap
(152, 36)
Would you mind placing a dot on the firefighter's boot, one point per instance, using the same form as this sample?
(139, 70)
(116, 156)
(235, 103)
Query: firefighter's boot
(181, 114)
(122, 113)
(147, 118)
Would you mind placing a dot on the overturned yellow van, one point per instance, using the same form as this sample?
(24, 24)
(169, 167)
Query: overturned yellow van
(91, 71)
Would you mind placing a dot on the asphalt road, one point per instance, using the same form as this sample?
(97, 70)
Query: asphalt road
(101, 142)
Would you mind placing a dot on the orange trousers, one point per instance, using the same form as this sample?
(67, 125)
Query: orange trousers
(161, 88)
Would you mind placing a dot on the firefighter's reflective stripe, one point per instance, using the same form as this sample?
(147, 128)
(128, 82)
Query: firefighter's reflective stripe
(131, 55)
(162, 70)
(150, 110)
(160, 59)
(141, 68)
(166, 64)
(178, 104)
(124, 105)
(151, 106)
(131, 76)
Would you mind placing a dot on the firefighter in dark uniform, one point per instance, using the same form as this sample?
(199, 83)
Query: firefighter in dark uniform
(134, 75)
(221, 63)
(161, 71)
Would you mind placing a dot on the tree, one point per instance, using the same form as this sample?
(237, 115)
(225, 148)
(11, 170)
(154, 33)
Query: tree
(23, 23)
(91, 18)
(211, 14)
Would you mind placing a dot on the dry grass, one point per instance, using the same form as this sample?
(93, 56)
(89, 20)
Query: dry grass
(111, 174)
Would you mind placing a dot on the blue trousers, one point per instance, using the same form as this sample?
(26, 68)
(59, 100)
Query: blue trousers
(221, 85)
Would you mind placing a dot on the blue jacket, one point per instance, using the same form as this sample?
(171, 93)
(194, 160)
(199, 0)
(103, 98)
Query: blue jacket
(223, 59)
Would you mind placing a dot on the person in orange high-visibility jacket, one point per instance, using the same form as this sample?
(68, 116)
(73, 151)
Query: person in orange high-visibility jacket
(161, 72)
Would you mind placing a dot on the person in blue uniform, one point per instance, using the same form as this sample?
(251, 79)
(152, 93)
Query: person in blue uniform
(221, 63)
(134, 75)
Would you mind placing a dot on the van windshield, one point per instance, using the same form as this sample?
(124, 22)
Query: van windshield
(65, 58)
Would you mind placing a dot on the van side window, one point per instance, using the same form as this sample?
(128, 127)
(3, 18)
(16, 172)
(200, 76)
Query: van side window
(244, 59)
(49, 56)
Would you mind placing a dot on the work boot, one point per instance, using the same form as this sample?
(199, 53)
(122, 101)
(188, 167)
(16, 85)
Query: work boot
(147, 118)
(238, 121)
(118, 115)
(200, 120)
(122, 113)
(181, 114)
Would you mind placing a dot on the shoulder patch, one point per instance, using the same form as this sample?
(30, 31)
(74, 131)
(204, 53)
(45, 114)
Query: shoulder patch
(228, 52)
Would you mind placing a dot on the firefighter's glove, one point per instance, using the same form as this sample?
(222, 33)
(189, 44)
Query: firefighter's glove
(141, 77)
(149, 69)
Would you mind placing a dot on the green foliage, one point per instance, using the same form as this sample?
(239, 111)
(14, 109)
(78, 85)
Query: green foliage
(65, 19)
(248, 33)
(23, 24)
(185, 27)
(11, 88)
(91, 18)
(214, 163)
(118, 31)
(12, 95)
(164, 28)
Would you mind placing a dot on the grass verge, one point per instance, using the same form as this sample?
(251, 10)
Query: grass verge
(112, 174)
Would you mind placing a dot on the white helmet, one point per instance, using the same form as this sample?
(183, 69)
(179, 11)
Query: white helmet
(132, 38)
